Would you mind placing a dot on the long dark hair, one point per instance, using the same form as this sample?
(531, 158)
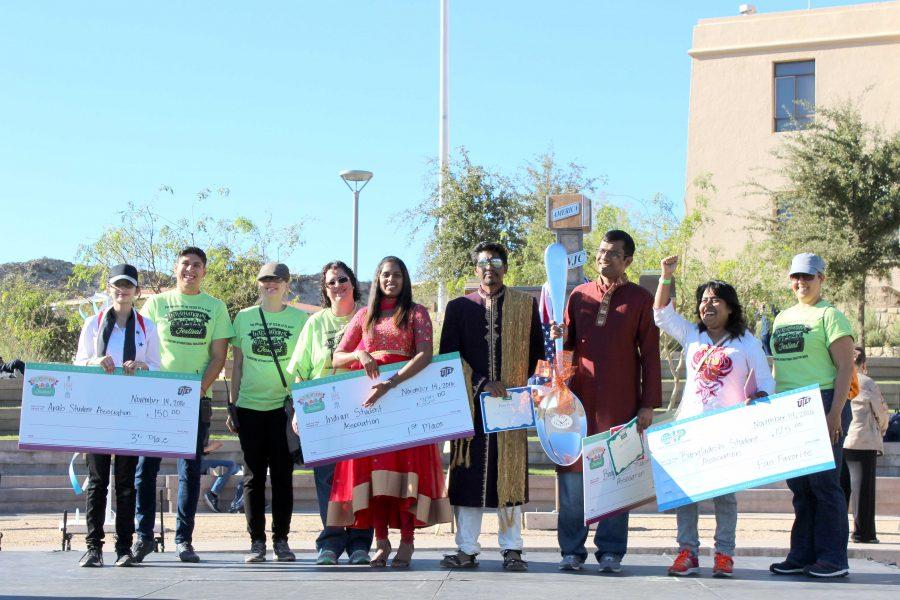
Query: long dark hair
(736, 325)
(324, 300)
(404, 300)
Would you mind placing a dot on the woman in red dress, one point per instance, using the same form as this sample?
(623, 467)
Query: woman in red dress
(402, 489)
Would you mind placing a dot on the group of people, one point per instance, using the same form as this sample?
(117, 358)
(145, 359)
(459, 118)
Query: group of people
(611, 327)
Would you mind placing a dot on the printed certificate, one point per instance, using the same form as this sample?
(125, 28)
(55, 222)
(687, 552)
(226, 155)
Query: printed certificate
(608, 491)
(82, 409)
(741, 447)
(431, 407)
(515, 411)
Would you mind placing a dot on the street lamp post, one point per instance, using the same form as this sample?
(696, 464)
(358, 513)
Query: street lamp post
(359, 180)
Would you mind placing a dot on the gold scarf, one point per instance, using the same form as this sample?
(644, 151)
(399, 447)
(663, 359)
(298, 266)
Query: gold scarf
(512, 446)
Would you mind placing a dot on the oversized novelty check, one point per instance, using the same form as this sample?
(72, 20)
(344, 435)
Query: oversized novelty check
(431, 407)
(82, 409)
(616, 472)
(740, 447)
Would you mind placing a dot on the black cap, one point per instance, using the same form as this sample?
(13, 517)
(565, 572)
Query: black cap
(123, 271)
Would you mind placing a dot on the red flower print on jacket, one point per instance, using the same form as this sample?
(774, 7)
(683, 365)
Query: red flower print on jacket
(710, 374)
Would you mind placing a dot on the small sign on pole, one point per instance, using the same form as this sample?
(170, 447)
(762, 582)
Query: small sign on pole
(577, 259)
(568, 212)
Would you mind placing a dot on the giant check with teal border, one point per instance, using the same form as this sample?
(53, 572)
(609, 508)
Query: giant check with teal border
(433, 406)
(741, 447)
(82, 409)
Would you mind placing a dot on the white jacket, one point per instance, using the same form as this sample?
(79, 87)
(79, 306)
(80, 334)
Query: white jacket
(146, 342)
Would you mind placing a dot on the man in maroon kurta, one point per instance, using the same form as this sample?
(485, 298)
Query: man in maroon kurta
(609, 327)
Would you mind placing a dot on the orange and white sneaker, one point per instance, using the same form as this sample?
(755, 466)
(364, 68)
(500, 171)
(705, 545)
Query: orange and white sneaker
(686, 563)
(723, 565)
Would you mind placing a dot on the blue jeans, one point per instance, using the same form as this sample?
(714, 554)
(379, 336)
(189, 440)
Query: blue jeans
(222, 479)
(611, 536)
(336, 539)
(820, 528)
(188, 492)
(726, 524)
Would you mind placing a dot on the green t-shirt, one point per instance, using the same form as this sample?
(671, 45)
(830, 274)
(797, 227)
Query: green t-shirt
(801, 336)
(318, 340)
(261, 387)
(188, 324)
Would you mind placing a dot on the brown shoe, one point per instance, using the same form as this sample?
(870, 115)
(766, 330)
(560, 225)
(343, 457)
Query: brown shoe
(382, 551)
(404, 554)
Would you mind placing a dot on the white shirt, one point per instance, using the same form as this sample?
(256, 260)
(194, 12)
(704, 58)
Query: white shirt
(146, 345)
(721, 380)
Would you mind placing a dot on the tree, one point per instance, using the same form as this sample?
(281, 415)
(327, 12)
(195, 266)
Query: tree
(150, 241)
(841, 199)
(36, 325)
(478, 205)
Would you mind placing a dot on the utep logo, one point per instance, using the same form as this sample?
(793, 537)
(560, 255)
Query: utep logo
(43, 385)
(596, 458)
(184, 390)
(446, 371)
(673, 437)
(801, 402)
(312, 402)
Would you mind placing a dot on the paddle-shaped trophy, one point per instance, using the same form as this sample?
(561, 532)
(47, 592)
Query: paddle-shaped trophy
(561, 422)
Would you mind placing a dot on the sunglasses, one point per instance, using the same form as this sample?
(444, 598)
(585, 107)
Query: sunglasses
(496, 263)
(270, 279)
(339, 281)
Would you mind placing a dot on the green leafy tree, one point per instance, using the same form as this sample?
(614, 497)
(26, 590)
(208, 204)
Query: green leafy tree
(840, 198)
(36, 324)
(150, 240)
(478, 205)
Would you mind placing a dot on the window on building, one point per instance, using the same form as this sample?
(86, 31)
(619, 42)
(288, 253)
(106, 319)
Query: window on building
(795, 94)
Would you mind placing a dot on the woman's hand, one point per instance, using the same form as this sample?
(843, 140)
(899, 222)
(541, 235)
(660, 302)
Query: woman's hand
(106, 363)
(294, 425)
(130, 366)
(368, 363)
(835, 428)
(668, 266)
(378, 390)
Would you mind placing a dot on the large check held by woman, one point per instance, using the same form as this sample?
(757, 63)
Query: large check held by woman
(431, 407)
(740, 447)
(82, 409)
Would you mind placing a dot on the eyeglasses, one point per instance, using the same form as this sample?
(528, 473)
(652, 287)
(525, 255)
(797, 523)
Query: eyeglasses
(609, 253)
(496, 263)
(339, 281)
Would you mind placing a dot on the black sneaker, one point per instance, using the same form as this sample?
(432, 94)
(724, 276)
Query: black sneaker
(283, 551)
(141, 549)
(92, 558)
(825, 570)
(786, 567)
(126, 560)
(212, 501)
(257, 553)
(186, 553)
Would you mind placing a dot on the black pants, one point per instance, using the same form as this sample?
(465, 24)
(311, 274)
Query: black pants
(95, 497)
(264, 444)
(862, 465)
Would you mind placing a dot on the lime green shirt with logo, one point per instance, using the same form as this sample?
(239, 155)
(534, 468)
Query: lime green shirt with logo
(188, 324)
(318, 340)
(801, 336)
(261, 387)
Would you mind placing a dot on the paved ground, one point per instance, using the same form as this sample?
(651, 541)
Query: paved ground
(223, 575)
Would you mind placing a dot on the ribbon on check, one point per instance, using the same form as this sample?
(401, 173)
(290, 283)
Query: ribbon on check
(79, 488)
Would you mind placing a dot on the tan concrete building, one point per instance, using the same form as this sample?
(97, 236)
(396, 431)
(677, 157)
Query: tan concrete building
(746, 73)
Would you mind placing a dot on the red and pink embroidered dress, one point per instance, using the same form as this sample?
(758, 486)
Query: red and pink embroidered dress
(402, 483)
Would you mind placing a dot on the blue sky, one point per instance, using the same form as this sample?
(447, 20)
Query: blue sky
(103, 102)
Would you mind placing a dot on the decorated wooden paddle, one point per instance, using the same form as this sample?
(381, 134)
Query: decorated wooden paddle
(561, 422)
